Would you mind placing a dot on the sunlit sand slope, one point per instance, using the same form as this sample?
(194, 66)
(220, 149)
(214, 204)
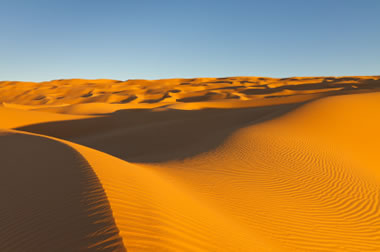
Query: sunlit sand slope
(156, 213)
(309, 180)
(292, 168)
(12, 118)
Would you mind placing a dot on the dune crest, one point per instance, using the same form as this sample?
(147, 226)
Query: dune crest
(205, 164)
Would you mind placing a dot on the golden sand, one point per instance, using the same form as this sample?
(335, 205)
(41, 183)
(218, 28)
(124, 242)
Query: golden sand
(206, 164)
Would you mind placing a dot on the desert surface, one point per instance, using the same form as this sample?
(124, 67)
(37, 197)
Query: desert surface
(202, 164)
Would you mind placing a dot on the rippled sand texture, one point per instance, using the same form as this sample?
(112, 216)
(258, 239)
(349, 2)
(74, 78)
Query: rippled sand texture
(207, 164)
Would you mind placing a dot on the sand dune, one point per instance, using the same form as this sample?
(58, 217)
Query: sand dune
(56, 96)
(207, 164)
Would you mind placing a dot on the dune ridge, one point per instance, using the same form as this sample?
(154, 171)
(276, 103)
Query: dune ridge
(206, 164)
(51, 202)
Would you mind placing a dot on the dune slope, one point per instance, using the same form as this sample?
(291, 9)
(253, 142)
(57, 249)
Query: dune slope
(228, 164)
(301, 180)
(51, 199)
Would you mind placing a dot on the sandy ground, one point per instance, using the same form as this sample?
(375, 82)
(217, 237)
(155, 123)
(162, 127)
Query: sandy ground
(206, 164)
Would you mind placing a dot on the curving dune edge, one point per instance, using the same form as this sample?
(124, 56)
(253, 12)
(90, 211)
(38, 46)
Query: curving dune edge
(207, 164)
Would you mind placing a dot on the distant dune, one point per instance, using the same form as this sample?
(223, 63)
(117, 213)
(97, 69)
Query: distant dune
(204, 164)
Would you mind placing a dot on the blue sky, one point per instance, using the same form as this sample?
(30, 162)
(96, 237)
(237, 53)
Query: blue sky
(151, 39)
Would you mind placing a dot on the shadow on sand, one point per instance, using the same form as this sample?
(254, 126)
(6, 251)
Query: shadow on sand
(146, 136)
(52, 199)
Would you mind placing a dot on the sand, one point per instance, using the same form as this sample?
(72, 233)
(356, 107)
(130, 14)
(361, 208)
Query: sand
(205, 164)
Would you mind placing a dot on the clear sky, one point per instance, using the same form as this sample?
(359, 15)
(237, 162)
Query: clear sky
(150, 39)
